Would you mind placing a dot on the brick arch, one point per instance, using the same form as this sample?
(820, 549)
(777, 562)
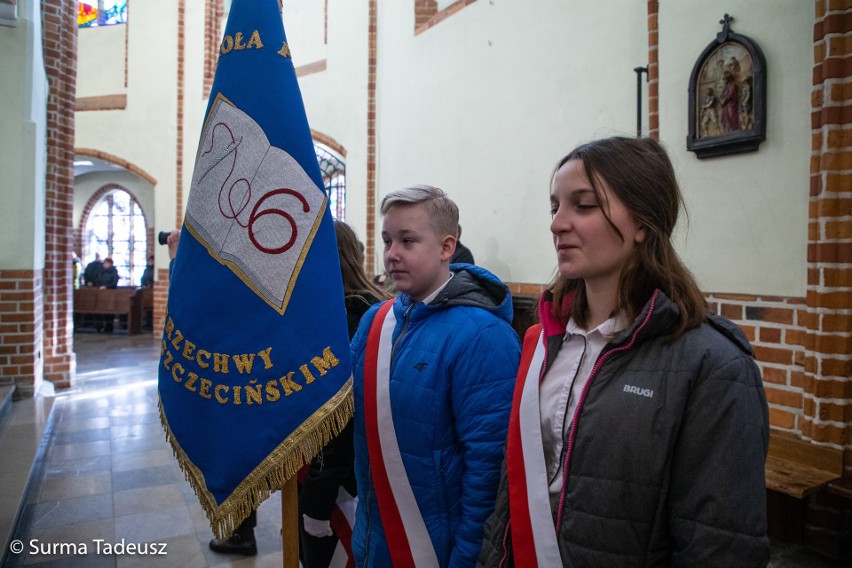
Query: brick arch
(90, 204)
(328, 141)
(113, 159)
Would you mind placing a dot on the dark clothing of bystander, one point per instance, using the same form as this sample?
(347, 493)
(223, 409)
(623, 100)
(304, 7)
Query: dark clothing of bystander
(462, 254)
(147, 277)
(107, 278)
(91, 272)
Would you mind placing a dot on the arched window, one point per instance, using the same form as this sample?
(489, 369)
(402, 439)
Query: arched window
(91, 13)
(116, 228)
(334, 177)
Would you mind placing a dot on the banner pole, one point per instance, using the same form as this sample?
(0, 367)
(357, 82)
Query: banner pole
(290, 523)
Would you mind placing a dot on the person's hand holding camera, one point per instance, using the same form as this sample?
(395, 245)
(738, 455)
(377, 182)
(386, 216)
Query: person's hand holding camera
(171, 239)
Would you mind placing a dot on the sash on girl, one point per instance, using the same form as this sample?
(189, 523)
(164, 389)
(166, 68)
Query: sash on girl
(533, 531)
(408, 540)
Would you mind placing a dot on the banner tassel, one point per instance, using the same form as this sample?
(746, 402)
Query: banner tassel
(289, 457)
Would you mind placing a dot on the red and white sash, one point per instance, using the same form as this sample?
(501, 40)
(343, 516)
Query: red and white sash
(408, 540)
(342, 521)
(533, 531)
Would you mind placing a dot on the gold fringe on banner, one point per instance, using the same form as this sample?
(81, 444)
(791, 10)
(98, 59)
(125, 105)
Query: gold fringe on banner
(269, 476)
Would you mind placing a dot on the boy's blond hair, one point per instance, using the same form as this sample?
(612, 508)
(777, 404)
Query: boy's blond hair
(443, 212)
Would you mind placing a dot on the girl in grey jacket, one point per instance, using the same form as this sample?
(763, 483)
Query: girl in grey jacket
(639, 425)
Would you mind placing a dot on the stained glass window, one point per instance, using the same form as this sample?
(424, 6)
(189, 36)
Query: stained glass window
(116, 228)
(334, 177)
(93, 13)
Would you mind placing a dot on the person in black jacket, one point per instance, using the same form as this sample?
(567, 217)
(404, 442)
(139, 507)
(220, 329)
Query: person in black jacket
(462, 253)
(333, 468)
(107, 278)
(640, 426)
(92, 271)
(147, 280)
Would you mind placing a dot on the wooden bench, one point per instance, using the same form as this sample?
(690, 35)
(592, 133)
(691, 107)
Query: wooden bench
(796, 469)
(125, 301)
(147, 298)
(147, 308)
(524, 313)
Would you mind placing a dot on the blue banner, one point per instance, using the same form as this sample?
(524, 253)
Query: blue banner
(255, 374)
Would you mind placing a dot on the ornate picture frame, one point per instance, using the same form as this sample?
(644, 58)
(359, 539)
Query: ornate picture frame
(727, 96)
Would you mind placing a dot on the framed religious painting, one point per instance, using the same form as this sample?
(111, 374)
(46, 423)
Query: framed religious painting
(727, 96)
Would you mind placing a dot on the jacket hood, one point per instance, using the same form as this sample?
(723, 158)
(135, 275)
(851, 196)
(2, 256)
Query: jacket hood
(656, 319)
(470, 285)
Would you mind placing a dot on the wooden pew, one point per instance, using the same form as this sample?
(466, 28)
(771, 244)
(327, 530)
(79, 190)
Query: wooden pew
(147, 307)
(524, 313)
(796, 469)
(147, 298)
(120, 301)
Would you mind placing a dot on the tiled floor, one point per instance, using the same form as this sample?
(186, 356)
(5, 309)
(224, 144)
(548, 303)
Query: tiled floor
(108, 476)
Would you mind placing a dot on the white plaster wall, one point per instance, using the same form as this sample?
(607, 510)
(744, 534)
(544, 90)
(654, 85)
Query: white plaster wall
(748, 214)
(304, 24)
(22, 146)
(486, 102)
(100, 60)
(336, 99)
(145, 132)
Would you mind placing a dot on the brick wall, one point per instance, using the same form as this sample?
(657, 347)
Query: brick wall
(181, 47)
(59, 21)
(653, 71)
(372, 35)
(423, 11)
(21, 330)
(161, 298)
(776, 328)
(828, 335)
(427, 15)
(127, 45)
(214, 11)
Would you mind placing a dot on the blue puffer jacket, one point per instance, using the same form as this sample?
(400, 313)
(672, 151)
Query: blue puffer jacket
(452, 376)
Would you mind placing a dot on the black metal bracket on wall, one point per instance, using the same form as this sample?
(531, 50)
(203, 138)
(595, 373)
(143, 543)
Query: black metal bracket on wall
(639, 71)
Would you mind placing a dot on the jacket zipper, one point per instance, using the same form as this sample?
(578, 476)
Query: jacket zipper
(540, 378)
(401, 331)
(601, 359)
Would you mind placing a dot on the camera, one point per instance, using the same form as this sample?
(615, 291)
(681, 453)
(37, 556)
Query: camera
(163, 237)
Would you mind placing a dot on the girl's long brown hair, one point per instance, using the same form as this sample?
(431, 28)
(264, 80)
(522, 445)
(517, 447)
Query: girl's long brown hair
(351, 252)
(639, 172)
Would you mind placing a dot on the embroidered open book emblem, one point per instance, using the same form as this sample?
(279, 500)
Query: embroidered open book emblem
(252, 205)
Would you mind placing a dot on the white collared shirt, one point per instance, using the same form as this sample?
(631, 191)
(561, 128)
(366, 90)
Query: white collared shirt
(428, 299)
(562, 386)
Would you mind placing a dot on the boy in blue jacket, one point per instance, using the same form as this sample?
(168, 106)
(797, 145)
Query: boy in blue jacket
(434, 373)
